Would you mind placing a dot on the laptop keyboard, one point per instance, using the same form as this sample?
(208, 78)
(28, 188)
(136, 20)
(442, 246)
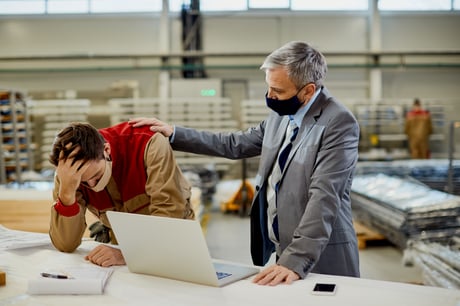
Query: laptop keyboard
(221, 275)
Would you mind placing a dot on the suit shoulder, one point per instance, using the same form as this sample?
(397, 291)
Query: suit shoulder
(337, 109)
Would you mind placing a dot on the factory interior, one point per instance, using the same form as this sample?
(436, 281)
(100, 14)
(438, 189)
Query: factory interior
(197, 64)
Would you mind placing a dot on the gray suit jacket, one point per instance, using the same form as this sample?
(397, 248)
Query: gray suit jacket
(314, 209)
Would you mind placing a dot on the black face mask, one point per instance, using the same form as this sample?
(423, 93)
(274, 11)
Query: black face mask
(284, 107)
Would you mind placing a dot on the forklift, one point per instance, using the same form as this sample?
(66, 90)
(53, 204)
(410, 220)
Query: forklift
(241, 201)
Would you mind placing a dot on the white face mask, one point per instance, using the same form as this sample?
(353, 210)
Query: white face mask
(105, 177)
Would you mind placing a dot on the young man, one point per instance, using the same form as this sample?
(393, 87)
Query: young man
(418, 128)
(308, 149)
(117, 168)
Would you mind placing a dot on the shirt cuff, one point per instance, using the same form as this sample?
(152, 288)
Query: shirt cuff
(67, 210)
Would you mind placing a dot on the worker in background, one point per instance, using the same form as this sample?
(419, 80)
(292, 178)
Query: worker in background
(118, 168)
(309, 149)
(418, 128)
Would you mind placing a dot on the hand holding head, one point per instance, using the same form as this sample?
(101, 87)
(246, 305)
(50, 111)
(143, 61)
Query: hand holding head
(78, 154)
(79, 141)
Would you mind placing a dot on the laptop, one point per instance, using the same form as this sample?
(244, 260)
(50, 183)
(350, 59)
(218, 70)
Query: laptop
(172, 248)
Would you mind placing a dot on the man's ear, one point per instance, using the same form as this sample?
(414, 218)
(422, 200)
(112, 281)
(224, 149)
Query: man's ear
(309, 91)
(107, 149)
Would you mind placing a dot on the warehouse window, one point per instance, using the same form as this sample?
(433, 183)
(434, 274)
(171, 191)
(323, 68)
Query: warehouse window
(415, 5)
(124, 6)
(41, 7)
(268, 4)
(329, 5)
(78, 6)
(68, 7)
(22, 7)
(213, 5)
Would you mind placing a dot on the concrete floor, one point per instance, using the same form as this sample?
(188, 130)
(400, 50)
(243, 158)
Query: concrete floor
(227, 236)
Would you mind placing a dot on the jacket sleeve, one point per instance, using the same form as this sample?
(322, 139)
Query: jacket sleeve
(66, 231)
(232, 145)
(166, 186)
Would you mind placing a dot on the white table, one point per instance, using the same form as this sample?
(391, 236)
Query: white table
(125, 288)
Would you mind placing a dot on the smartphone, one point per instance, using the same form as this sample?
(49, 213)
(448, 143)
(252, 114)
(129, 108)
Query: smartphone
(324, 289)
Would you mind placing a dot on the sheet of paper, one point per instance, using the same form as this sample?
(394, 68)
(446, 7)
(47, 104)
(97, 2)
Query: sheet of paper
(13, 239)
(81, 279)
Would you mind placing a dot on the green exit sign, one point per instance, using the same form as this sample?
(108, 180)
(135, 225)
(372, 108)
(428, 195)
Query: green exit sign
(208, 92)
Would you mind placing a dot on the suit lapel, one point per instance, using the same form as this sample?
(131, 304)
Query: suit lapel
(279, 131)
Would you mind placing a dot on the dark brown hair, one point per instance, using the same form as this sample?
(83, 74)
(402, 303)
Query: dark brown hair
(82, 135)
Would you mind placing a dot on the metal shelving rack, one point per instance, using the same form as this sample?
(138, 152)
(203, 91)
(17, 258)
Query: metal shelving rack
(382, 125)
(15, 150)
(384, 121)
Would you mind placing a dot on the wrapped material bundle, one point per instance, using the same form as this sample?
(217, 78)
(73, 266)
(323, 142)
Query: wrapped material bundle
(403, 209)
(440, 263)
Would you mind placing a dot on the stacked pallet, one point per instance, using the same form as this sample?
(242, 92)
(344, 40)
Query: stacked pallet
(366, 235)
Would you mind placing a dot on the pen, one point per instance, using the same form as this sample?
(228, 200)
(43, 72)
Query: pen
(51, 275)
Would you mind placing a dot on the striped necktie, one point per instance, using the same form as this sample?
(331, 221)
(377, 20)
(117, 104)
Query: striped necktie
(287, 149)
(291, 135)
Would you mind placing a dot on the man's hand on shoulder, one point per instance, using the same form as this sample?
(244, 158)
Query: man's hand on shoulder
(155, 125)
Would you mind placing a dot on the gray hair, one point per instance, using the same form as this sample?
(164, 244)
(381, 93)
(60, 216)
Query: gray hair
(303, 63)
